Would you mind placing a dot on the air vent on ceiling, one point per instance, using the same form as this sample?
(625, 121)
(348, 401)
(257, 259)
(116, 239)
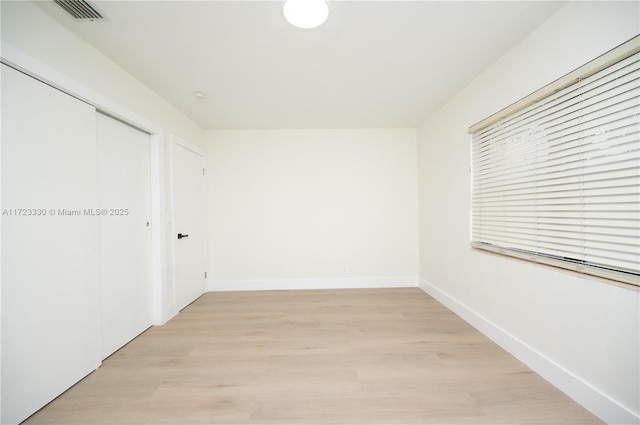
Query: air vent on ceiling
(79, 9)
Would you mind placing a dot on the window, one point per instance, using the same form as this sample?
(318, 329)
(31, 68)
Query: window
(557, 178)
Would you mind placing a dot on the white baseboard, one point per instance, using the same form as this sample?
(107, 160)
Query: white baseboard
(336, 283)
(586, 395)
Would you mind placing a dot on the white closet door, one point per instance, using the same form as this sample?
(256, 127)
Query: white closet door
(125, 236)
(50, 288)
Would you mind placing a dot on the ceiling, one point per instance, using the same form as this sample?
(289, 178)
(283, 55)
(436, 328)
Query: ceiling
(373, 64)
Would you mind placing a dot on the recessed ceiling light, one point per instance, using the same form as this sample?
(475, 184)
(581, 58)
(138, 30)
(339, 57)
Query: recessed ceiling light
(305, 13)
(199, 95)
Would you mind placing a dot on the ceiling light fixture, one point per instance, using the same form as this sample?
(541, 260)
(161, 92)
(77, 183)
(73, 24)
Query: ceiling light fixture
(199, 95)
(305, 13)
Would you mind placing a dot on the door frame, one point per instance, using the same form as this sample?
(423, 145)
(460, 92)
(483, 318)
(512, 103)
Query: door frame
(34, 68)
(174, 143)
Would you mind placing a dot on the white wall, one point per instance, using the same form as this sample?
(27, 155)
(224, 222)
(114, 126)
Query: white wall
(35, 42)
(579, 332)
(293, 208)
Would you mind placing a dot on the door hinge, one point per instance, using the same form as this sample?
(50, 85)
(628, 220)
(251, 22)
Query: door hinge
(203, 171)
(205, 275)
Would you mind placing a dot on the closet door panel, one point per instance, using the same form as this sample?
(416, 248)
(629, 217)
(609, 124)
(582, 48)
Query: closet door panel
(50, 263)
(124, 189)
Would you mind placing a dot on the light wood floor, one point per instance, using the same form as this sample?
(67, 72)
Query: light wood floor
(366, 356)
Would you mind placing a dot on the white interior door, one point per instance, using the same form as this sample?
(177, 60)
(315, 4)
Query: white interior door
(50, 288)
(125, 236)
(189, 244)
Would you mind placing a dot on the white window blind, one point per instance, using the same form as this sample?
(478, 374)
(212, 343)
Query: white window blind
(558, 182)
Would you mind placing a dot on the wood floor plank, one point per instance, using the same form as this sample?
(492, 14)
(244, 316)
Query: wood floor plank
(357, 356)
